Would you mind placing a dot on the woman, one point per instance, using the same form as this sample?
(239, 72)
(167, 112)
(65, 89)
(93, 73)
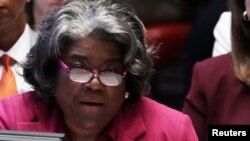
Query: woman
(90, 68)
(220, 86)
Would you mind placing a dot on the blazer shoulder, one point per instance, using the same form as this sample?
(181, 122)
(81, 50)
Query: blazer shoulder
(168, 122)
(216, 68)
(21, 108)
(160, 112)
(222, 60)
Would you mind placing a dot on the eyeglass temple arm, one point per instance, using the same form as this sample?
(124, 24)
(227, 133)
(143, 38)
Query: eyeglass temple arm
(63, 65)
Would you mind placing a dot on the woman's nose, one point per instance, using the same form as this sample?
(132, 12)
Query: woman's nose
(94, 83)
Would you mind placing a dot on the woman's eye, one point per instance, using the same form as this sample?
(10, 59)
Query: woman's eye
(79, 66)
(114, 69)
(110, 70)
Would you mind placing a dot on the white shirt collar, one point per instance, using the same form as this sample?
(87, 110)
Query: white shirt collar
(22, 46)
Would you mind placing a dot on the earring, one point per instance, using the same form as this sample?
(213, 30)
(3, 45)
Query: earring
(126, 95)
(245, 17)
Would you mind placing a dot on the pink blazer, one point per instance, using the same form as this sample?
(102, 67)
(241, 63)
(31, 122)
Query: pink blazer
(145, 121)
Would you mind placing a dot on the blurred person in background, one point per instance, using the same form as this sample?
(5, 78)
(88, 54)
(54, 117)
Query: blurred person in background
(39, 8)
(220, 90)
(16, 40)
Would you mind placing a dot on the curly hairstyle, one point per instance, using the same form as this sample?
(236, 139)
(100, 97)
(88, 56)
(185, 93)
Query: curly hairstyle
(103, 19)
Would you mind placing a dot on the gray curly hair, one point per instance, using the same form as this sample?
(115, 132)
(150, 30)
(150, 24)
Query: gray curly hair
(102, 19)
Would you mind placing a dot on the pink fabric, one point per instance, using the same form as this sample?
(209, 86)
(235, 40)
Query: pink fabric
(145, 121)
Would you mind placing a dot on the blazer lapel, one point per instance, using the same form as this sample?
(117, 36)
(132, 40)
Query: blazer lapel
(129, 124)
(44, 118)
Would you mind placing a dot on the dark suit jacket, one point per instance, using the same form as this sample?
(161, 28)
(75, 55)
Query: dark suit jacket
(216, 96)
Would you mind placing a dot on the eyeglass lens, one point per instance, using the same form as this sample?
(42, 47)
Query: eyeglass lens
(107, 78)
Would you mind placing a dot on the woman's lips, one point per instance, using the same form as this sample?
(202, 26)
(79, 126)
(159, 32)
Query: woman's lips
(91, 107)
(89, 103)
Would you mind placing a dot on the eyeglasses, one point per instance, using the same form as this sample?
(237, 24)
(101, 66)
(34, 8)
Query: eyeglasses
(84, 76)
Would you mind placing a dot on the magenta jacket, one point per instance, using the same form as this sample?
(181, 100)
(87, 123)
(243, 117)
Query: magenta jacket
(145, 121)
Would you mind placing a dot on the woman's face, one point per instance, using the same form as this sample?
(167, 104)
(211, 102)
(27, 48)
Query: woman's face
(91, 105)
